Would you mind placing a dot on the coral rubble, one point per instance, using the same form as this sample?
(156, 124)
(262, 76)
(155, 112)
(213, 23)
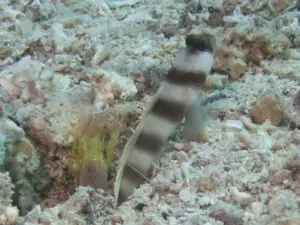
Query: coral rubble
(65, 61)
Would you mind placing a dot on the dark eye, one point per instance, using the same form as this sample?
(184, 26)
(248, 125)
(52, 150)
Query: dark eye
(199, 8)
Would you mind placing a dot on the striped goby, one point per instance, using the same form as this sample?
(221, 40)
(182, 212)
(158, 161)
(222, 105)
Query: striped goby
(165, 111)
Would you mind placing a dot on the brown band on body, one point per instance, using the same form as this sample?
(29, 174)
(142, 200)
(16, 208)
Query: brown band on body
(149, 142)
(179, 77)
(135, 179)
(171, 111)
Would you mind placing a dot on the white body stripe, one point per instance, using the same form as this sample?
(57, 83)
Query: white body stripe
(200, 61)
(158, 125)
(141, 160)
(127, 186)
(178, 93)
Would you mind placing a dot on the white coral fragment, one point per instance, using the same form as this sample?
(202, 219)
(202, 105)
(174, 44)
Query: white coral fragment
(241, 198)
(186, 195)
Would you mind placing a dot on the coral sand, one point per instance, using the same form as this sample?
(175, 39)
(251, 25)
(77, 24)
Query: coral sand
(63, 61)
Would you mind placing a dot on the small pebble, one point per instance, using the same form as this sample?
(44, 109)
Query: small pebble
(234, 125)
(257, 208)
(185, 195)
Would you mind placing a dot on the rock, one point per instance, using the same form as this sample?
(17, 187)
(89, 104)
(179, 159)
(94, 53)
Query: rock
(238, 68)
(186, 195)
(126, 84)
(61, 40)
(288, 68)
(257, 208)
(234, 125)
(46, 75)
(22, 162)
(102, 53)
(10, 130)
(267, 107)
(242, 198)
(61, 82)
(118, 3)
